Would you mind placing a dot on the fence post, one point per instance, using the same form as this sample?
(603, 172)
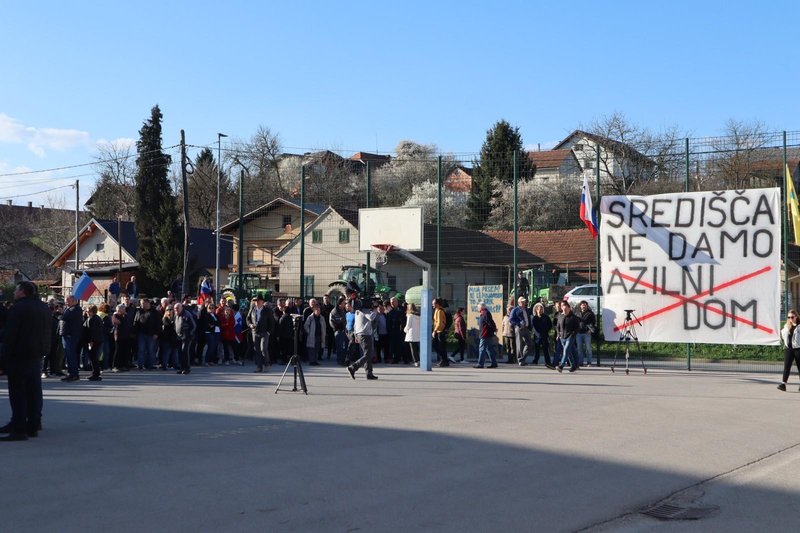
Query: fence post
(302, 232)
(240, 258)
(369, 195)
(516, 221)
(439, 181)
(785, 230)
(686, 189)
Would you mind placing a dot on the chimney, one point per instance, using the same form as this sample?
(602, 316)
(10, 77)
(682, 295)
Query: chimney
(30, 205)
(9, 202)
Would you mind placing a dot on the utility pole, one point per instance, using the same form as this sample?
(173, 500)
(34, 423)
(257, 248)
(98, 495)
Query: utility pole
(119, 246)
(185, 182)
(240, 259)
(77, 229)
(216, 228)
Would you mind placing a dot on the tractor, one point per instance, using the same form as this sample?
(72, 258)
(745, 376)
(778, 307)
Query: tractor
(351, 284)
(251, 287)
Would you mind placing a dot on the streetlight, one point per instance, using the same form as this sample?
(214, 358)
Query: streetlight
(219, 179)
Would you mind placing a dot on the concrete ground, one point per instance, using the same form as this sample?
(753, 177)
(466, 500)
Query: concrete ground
(457, 449)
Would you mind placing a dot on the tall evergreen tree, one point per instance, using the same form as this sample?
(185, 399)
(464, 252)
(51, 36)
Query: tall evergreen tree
(496, 163)
(158, 253)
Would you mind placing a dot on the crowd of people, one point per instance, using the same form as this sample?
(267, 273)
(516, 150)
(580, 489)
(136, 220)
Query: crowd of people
(168, 334)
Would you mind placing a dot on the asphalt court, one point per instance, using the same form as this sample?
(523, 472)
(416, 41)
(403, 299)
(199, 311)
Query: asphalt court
(455, 449)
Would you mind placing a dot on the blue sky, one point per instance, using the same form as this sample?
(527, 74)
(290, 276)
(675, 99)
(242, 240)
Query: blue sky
(356, 76)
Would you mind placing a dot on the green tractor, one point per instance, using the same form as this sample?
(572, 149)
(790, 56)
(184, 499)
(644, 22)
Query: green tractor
(351, 281)
(542, 287)
(251, 287)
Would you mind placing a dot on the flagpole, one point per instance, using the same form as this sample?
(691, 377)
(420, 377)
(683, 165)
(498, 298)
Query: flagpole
(597, 253)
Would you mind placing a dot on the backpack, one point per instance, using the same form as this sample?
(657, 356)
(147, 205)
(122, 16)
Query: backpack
(448, 321)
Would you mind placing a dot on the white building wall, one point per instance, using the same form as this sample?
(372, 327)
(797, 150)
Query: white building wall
(323, 260)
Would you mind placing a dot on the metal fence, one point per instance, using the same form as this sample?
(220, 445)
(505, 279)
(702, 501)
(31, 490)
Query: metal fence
(488, 217)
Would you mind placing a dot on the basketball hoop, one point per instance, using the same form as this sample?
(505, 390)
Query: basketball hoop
(380, 251)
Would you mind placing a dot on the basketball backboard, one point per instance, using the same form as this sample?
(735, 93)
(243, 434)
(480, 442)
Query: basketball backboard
(398, 226)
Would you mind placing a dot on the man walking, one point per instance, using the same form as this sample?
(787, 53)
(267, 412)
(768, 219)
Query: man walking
(567, 327)
(487, 329)
(520, 319)
(70, 328)
(26, 340)
(362, 329)
(439, 333)
(261, 322)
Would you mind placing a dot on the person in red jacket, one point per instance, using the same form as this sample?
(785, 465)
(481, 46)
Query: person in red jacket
(227, 334)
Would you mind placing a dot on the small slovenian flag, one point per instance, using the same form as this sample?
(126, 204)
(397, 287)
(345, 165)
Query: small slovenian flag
(587, 213)
(84, 288)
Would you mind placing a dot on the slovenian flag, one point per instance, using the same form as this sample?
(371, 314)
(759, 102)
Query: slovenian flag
(587, 213)
(84, 288)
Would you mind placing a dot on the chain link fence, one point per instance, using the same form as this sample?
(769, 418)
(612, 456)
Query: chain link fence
(490, 219)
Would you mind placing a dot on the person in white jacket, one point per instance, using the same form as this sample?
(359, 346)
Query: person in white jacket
(412, 330)
(363, 330)
(790, 334)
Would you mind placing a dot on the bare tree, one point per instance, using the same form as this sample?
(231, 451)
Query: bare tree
(630, 154)
(742, 156)
(113, 193)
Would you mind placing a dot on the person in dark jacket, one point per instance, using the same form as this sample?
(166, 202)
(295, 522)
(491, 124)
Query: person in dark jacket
(285, 332)
(487, 329)
(261, 322)
(567, 328)
(94, 340)
(169, 339)
(70, 328)
(395, 325)
(122, 341)
(583, 340)
(542, 325)
(52, 361)
(147, 325)
(185, 328)
(26, 341)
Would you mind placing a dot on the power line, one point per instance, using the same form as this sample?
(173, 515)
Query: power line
(38, 192)
(97, 162)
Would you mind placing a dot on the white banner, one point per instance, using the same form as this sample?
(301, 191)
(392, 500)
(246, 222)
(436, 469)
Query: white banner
(693, 267)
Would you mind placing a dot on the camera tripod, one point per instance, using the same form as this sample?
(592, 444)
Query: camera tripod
(294, 361)
(627, 335)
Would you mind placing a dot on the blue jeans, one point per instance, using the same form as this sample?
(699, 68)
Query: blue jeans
(584, 348)
(484, 349)
(341, 341)
(212, 339)
(169, 355)
(568, 351)
(70, 345)
(146, 353)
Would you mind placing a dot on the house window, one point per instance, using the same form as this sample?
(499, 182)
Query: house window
(308, 286)
(287, 219)
(99, 247)
(344, 236)
(316, 236)
(588, 164)
(579, 147)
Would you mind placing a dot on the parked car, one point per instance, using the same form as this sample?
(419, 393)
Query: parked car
(583, 292)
